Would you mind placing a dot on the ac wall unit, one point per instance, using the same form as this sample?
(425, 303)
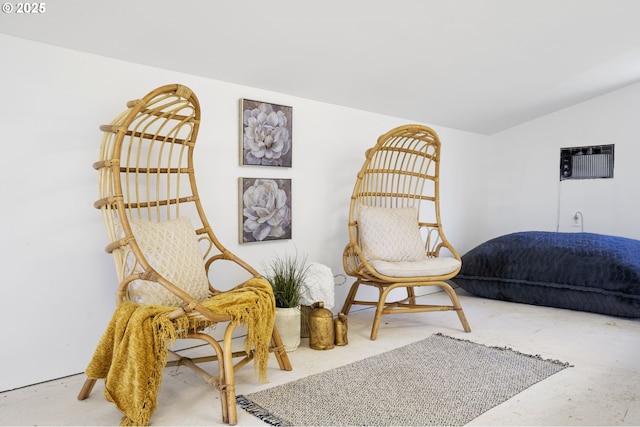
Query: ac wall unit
(591, 162)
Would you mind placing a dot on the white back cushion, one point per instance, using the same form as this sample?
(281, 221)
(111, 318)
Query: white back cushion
(171, 248)
(390, 234)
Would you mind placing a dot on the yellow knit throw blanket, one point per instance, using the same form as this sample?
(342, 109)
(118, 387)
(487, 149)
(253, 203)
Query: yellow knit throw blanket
(133, 351)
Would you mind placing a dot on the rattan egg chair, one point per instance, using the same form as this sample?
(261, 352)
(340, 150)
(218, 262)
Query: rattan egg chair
(165, 253)
(396, 238)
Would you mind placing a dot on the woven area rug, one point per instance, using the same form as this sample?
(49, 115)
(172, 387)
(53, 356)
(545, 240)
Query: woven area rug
(436, 381)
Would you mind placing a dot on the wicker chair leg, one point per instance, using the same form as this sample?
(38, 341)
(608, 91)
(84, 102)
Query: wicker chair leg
(463, 319)
(376, 324)
(227, 383)
(224, 402)
(351, 296)
(411, 295)
(382, 301)
(86, 388)
(279, 351)
(457, 306)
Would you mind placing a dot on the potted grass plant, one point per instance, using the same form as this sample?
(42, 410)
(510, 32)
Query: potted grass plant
(287, 274)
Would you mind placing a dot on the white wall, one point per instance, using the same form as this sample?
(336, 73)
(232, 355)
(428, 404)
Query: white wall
(525, 192)
(58, 283)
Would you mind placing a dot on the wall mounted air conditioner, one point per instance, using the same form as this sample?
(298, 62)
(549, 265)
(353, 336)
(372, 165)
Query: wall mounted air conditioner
(591, 162)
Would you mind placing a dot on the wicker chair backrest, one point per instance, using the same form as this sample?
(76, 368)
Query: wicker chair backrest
(402, 170)
(146, 172)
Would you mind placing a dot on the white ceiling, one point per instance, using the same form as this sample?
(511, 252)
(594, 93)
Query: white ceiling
(476, 65)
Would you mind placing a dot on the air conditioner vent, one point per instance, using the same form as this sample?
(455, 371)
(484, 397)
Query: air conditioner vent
(591, 162)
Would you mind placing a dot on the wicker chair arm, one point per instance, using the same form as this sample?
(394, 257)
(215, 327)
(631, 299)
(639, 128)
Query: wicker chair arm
(190, 303)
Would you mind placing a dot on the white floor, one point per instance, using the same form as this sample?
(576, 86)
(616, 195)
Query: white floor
(602, 388)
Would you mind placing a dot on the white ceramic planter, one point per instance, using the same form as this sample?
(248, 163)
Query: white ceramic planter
(288, 324)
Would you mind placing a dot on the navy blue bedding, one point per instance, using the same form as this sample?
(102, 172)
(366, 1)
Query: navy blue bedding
(578, 271)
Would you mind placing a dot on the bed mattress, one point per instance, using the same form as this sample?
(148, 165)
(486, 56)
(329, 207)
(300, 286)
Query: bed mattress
(578, 271)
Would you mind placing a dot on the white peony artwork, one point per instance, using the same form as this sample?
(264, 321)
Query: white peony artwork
(265, 209)
(265, 134)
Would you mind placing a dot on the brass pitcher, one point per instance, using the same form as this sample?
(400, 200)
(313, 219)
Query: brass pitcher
(341, 329)
(321, 333)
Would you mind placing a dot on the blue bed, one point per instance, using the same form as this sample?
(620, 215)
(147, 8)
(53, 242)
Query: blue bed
(578, 271)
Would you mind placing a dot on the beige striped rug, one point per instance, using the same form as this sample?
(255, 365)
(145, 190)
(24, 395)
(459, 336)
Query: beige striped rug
(437, 381)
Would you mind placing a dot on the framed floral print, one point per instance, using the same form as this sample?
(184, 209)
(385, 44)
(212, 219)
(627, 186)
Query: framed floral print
(265, 134)
(265, 209)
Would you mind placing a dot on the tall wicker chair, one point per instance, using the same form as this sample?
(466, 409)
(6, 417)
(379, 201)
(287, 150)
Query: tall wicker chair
(165, 252)
(395, 232)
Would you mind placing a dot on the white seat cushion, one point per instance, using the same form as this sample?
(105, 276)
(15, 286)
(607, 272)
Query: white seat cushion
(427, 267)
(171, 248)
(390, 234)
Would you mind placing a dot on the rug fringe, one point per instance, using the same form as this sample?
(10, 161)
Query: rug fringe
(259, 412)
(536, 356)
